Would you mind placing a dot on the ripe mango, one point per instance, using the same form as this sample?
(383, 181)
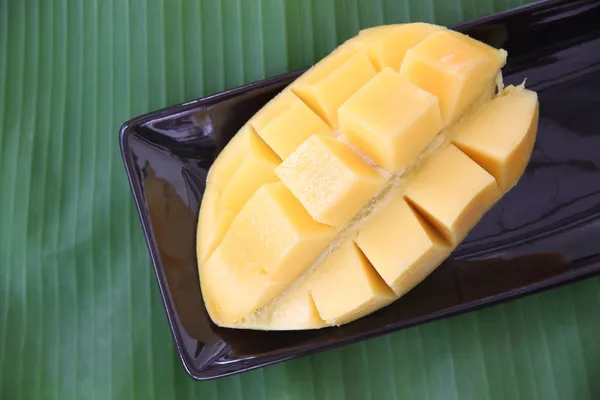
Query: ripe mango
(353, 184)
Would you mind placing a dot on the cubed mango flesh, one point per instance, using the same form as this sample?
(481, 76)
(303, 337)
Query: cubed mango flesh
(349, 188)
(271, 241)
(296, 309)
(327, 85)
(390, 120)
(329, 179)
(386, 45)
(245, 165)
(286, 122)
(401, 244)
(502, 146)
(452, 192)
(456, 69)
(347, 274)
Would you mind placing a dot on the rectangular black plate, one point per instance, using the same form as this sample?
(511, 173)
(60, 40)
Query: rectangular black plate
(543, 233)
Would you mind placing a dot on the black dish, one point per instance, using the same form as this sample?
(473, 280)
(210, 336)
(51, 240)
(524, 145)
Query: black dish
(543, 233)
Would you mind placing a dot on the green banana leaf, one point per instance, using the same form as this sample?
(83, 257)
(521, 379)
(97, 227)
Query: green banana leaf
(80, 313)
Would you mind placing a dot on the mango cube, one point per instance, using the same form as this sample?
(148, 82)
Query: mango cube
(452, 192)
(347, 274)
(331, 181)
(401, 245)
(390, 120)
(286, 122)
(249, 163)
(387, 45)
(212, 224)
(500, 135)
(455, 68)
(295, 309)
(328, 84)
(271, 241)
(257, 168)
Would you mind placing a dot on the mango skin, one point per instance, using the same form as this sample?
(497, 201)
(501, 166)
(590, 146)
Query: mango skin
(316, 296)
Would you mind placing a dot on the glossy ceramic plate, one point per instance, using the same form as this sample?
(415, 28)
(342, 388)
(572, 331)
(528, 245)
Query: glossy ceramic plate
(543, 233)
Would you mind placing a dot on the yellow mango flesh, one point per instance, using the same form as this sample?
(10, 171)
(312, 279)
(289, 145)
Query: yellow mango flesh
(327, 85)
(298, 311)
(213, 223)
(452, 192)
(269, 244)
(390, 120)
(347, 275)
(381, 158)
(502, 146)
(454, 68)
(401, 244)
(286, 122)
(387, 45)
(246, 165)
(331, 181)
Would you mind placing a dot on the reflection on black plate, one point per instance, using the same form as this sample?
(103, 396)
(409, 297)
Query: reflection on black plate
(543, 233)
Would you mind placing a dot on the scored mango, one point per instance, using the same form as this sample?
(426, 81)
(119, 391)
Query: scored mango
(357, 181)
(247, 164)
